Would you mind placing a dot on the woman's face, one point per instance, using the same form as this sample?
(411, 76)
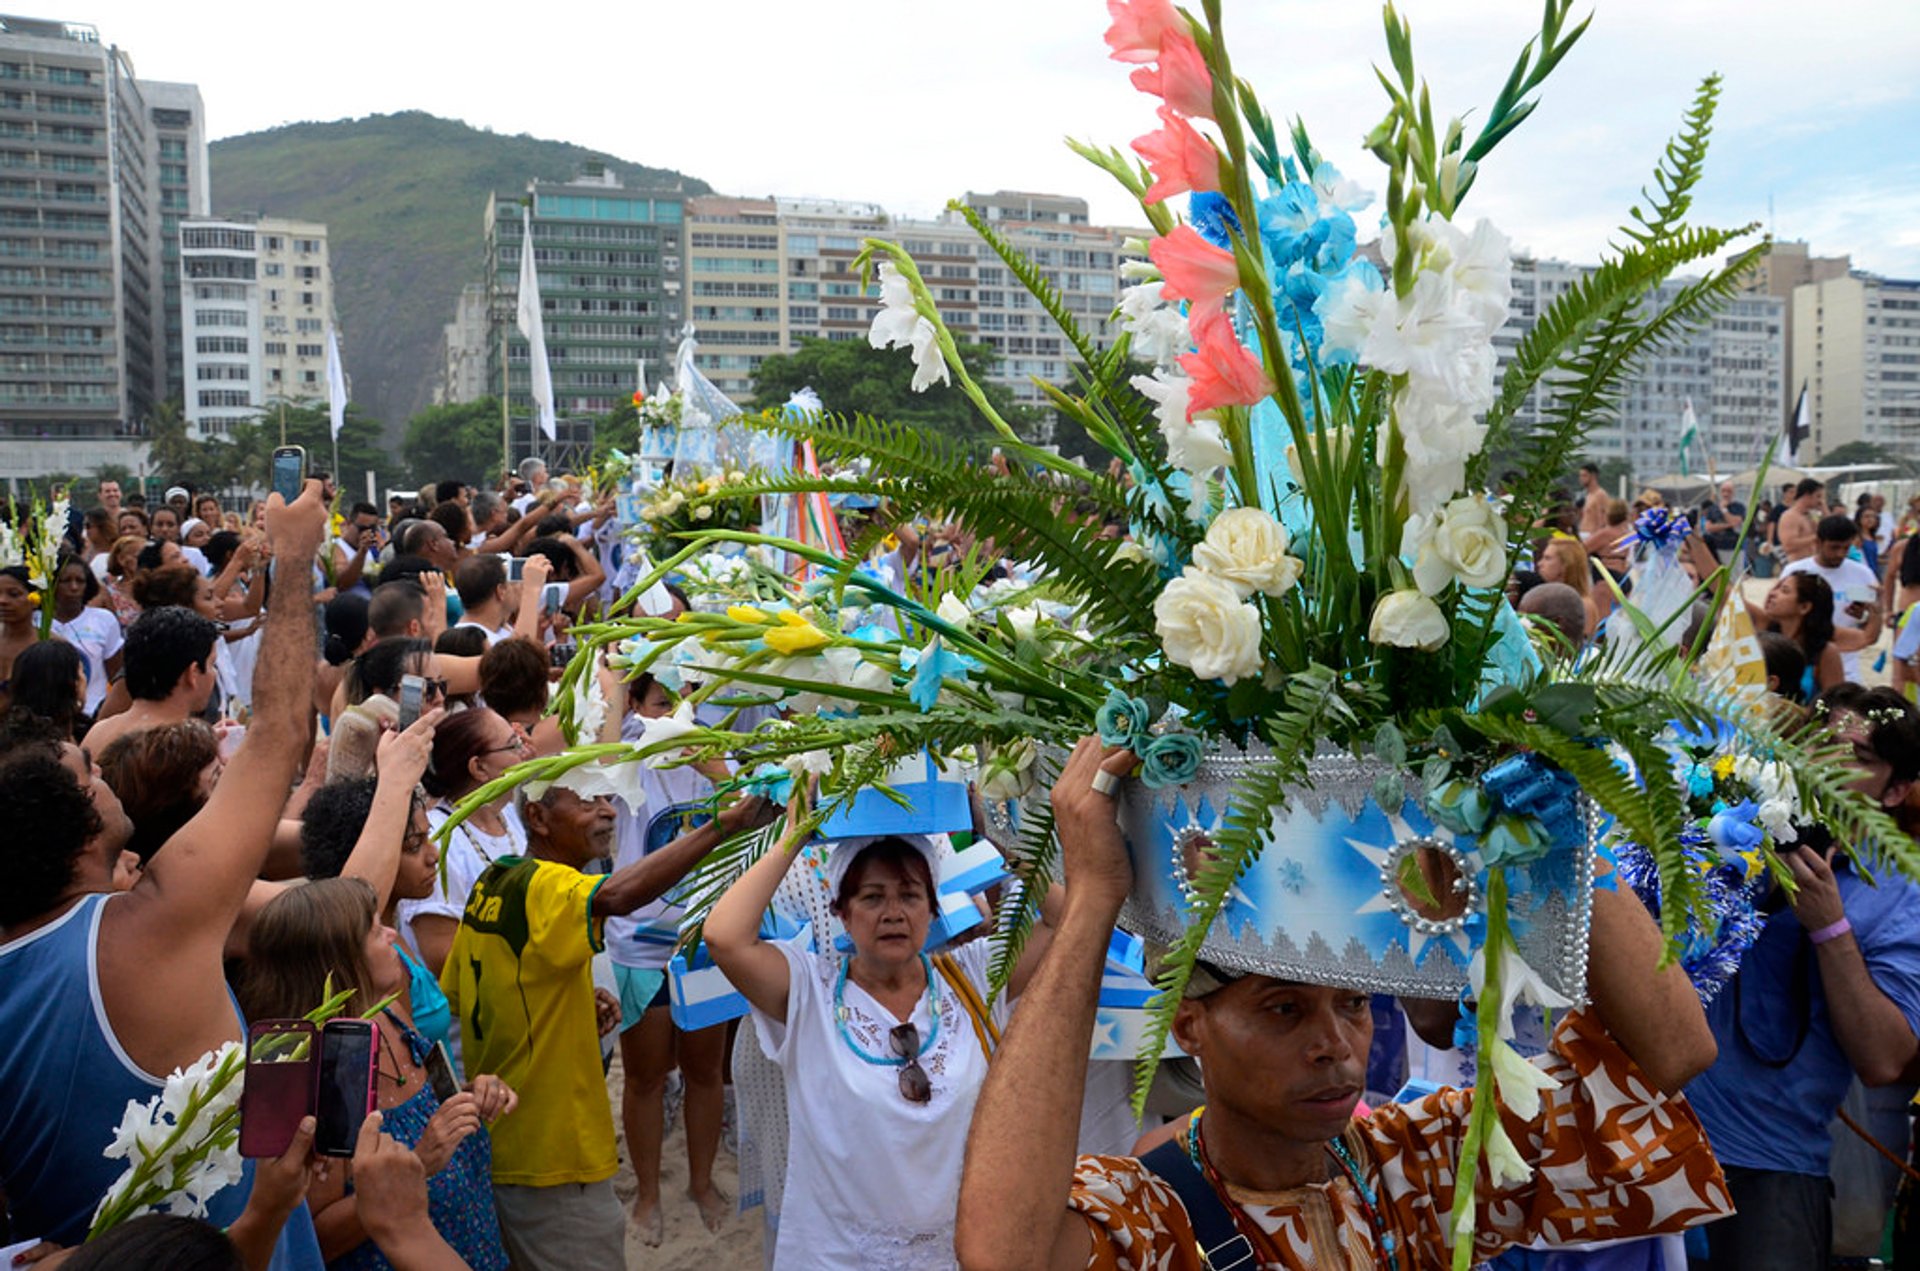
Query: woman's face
(199, 534)
(419, 858)
(130, 524)
(15, 608)
(1552, 568)
(166, 525)
(70, 593)
(389, 976)
(123, 559)
(203, 601)
(505, 747)
(654, 703)
(208, 510)
(1783, 601)
(257, 515)
(889, 912)
(170, 554)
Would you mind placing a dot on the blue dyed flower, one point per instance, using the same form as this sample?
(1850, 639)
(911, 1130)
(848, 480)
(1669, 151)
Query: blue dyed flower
(769, 781)
(1170, 760)
(1734, 829)
(1212, 216)
(1121, 720)
(1700, 780)
(935, 665)
(1514, 840)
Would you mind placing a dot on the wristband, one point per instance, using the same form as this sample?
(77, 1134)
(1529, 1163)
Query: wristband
(1832, 931)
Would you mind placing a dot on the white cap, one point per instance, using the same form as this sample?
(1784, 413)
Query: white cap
(844, 852)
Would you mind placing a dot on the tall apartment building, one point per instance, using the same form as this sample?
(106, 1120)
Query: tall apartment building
(609, 262)
(78, 344)
(177, 160)
(1856, 346)
(463, 350)
(764, 275)
(257, 300)
(1733, 370)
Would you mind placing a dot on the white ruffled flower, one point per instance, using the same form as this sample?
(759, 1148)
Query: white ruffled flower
(1518, 983)
(1519, 1082)
(899, 325)
(1247, 548)
(1503, 1158)
(1466, 540)
(954, 611)
(1204, 626)
(1024, 621)
(1194, 446)
(663, 729)
(1159, 329)
(808, 763)
(1007, 772)
(1407, 619)
(1776, 816)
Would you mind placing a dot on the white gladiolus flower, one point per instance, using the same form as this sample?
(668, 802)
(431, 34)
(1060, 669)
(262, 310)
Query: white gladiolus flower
(1247, 548)
(954, 611)
(1503, 1158)
(899, 324)
(1159, 330)
(1194, 446)
(1024, 621)
(1519, 1082)
(1466, 540)
(1139, 270)
(1421, 333)
(808, 763)
(1518, 983)
(666, 728)
(1407, 619)
(1204, 626)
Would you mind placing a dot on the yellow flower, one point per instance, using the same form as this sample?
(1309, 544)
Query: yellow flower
(791, 618)
(1723, 767)
(33, 597)
(798, 636)
(746, 613)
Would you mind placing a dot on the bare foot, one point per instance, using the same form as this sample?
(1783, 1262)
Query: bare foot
(649, 1223)
(715, 1205)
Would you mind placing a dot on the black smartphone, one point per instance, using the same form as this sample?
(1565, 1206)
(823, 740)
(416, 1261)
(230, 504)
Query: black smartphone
(344, 1094)
(289, 471)
(413, 689)
(440, 1073)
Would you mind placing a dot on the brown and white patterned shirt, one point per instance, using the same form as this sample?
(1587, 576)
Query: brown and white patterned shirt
(1613, 1157)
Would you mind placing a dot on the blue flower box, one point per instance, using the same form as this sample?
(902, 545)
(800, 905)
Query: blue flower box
(936, 804)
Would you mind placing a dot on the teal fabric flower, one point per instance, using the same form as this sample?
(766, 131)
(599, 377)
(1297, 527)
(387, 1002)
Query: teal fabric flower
(1121, 720)
(1460, 806)
(1171, 760)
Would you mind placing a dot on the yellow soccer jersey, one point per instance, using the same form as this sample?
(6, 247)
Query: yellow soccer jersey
(520, 983)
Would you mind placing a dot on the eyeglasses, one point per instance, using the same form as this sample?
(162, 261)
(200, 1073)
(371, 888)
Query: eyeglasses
(915, 1085)
(518, 746)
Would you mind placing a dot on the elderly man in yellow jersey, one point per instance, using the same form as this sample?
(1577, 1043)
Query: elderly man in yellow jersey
(520, 981)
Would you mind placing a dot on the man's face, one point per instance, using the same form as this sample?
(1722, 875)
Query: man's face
(1291, 1057)
(1587, 479)
(1814, 498)
(1876, 774)
(1726, 492)
(110, 495)
(577, 830)
(1830, 553)
(360, 529)
(116, 828)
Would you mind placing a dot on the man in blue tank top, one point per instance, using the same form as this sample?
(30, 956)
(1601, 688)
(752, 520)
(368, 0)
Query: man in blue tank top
(103, 994)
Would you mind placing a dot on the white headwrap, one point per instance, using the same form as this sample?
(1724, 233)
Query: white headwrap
(843, 852)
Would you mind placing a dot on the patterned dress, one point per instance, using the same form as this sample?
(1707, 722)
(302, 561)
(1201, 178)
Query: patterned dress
(1613, 1157)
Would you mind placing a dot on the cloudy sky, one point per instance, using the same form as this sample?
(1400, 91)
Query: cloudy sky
(907, 104)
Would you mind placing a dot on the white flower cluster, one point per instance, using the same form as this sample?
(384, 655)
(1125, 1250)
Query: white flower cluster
(1440, 336)
(1158, 328)
(1203, 617)
(1773, 790)
(204, 1159)
(11, 553)
(1194, 445)
(900, 325)
(1518, 1083)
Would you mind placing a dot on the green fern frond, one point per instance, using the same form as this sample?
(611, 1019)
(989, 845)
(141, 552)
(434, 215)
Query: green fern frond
(1036, 863)
(1034, 279)
(1678, 171)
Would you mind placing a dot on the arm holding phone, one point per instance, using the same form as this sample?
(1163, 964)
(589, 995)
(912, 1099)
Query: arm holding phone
(1870, 1028)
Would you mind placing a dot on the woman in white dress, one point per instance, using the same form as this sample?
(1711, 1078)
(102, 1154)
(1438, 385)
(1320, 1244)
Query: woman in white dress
(883, 1052)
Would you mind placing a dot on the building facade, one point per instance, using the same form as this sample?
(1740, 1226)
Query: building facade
(610, 270)
(257, 299)
(1856, 347)
(463, 350)
(1732, 370)
(177, 160)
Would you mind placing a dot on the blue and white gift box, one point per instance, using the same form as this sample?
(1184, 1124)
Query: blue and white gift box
(936, 803)
(974, 869)
(699, 995)
(1120, 1023)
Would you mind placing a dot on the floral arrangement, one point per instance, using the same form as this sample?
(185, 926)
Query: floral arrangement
(724, 500)
(1315, 557)
(36, 545)
(182, 1146)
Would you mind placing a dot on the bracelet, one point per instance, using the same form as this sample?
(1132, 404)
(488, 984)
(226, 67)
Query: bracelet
(1832, 931)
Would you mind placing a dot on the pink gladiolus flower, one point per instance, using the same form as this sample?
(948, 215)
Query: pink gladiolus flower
(1138, 28)
(1195, 270)
(1182, 78)
(1225, 372)
(1179, 157)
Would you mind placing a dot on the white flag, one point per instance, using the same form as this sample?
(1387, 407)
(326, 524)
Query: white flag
(533, 328)
(1689, 433)
(336, 385)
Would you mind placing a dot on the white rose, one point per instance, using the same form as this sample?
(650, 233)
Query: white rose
(1408, 620)
(1024, 621)
(1248, 548)
(1204, 626)
(954, 610)
(703, 513)
(1465, 540)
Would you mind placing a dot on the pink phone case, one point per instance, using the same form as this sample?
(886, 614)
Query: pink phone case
(283, 1063)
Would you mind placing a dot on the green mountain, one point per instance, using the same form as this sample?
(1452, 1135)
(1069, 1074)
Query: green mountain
(404, 200)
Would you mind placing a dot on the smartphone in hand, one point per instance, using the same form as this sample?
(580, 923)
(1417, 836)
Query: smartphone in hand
(289, 471)
(345, 1094)
(413, 691)
(278, 1089)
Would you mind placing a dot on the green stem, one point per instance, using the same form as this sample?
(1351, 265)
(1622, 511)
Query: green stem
(1486, 1099)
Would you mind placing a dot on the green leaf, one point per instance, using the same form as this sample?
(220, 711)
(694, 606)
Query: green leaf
(1389, 744)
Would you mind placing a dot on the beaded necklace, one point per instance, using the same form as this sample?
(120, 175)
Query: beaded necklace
(886, 1061)
(1256, 1235)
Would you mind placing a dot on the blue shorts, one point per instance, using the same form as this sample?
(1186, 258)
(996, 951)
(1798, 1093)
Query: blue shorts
(641, 989)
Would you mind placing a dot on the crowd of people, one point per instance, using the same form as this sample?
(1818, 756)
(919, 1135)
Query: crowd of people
(228, 768)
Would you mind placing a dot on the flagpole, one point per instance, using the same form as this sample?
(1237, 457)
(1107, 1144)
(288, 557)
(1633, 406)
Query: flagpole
(506, 418)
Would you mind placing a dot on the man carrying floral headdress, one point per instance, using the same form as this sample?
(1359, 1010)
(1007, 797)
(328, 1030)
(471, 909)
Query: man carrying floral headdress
(1282, 1175)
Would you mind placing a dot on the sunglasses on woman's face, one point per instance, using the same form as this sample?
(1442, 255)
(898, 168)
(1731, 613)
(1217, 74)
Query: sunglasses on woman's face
(915, 1085)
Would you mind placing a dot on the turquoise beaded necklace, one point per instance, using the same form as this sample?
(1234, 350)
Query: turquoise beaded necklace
(885, 1061)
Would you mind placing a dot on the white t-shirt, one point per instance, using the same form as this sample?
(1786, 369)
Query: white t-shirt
(1851, 580)
(494, 634)
(645, 938)
(96, 634)
(468, 853)
(872, 1180)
